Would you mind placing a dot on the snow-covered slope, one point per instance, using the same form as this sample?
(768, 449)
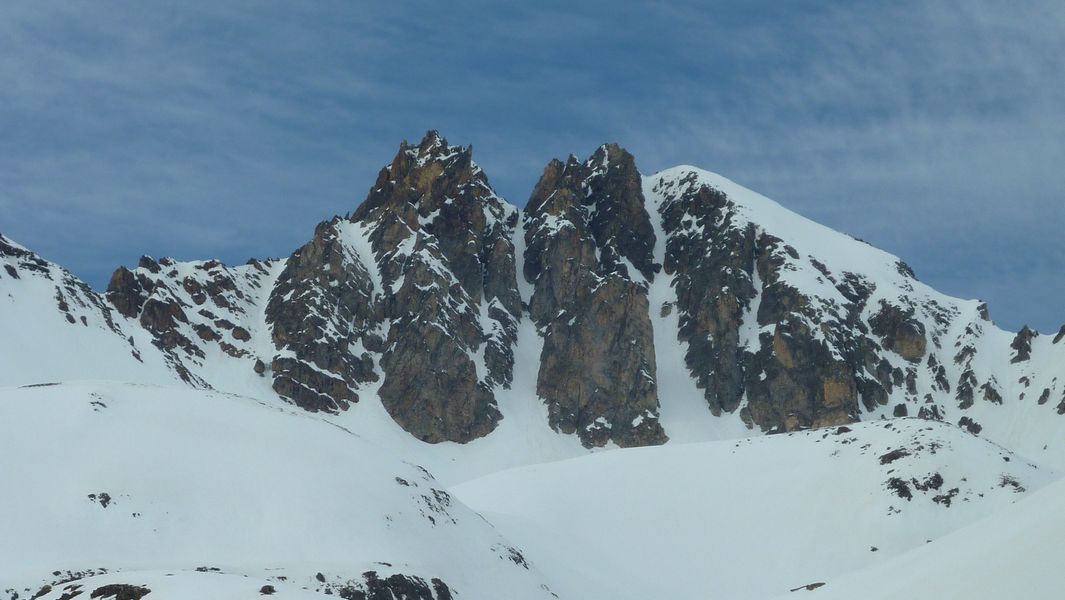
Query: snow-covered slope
(1014, 553)
(117, 478)
(54, 327)
(750, 518)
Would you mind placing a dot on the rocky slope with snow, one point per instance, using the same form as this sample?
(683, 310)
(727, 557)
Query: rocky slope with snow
(415, 300)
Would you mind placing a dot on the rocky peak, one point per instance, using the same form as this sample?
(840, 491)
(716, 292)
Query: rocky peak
(589, 255)
(418, 285)
(423, 176)
(602, 195)
(435, 189)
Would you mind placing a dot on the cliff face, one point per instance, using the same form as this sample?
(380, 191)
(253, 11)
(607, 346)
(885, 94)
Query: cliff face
(424, 297)
(588, 256)
(440, 240)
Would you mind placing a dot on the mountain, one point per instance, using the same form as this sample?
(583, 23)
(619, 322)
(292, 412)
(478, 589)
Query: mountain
(502, 350)
(649, 303)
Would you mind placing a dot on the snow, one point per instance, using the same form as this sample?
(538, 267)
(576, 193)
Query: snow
(1014, 553)
(684, 412)
(191, 483)
(39, 344)
(839, 251)
(187, 584)
(356, 236)
(743, 519)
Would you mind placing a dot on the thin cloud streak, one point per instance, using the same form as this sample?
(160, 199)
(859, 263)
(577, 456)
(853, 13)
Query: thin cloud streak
(934, 130)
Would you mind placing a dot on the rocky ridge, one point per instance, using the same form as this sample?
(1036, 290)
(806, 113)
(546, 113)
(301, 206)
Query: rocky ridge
(416, 300)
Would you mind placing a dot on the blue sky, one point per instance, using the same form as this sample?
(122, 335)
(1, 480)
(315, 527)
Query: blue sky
(229, 129)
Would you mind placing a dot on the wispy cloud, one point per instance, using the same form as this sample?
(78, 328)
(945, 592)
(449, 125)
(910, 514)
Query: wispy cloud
(228, 129)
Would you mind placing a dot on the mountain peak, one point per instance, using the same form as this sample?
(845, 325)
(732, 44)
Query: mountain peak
(424, 176)
(435, 147)
(611, 153)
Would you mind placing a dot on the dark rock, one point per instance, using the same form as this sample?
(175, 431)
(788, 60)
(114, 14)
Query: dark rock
(713, 268)
(900, 488)
(126, 293)
(901, 332)
(589, 245)
(807, 368)
(267, 590)
(932, 482)
(930, 413)
(206, 333)
(894, 455)
(149, 264)
(395, 586)
(1044, 396)
(947, 498)
(120, 591)
(983, 312)
(991, 393)
(334, 311)
(1022, 345)
(970, 425)
(1011, 482)
(442, 239)
(809, 587)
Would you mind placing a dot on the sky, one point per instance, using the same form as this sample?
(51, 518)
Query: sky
(934, 130)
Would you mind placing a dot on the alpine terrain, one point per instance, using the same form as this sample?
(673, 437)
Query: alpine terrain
(636, 386)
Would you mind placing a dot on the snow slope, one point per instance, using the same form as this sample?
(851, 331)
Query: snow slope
(53, 327)
(1014, 553)
(749, 518)
(127, 477)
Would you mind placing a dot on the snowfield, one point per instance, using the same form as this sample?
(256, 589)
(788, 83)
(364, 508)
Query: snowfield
(121, 477)
(750, 518)
(203, 494)
(1014, 553)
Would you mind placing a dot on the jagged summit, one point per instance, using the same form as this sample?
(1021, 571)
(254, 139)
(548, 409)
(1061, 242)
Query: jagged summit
(616, 308)
(414, 172)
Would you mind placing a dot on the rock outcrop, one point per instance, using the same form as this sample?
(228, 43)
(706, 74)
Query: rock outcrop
(192, 309)
(442, 241)
(589, 254)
